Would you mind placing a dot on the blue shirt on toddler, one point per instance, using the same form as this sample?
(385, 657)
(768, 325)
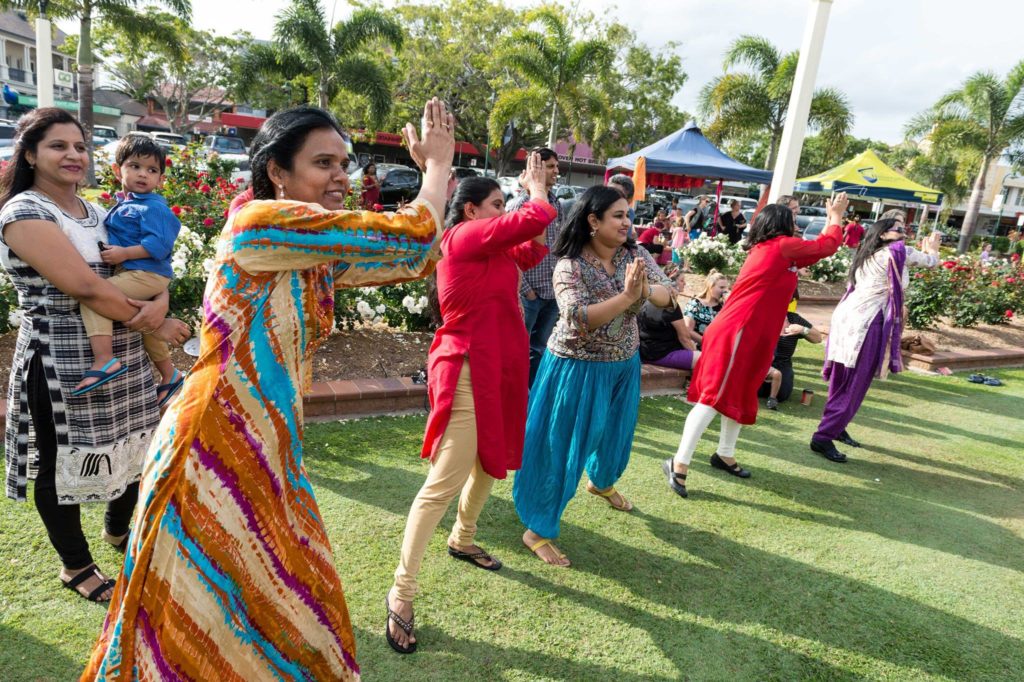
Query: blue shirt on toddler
(144, 220)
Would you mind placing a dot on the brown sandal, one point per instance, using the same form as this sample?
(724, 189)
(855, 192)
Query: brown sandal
(627, 506)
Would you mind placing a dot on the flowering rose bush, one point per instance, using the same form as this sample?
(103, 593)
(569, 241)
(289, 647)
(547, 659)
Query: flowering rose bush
(966, 293)
(705, 254)
(835, 268)
(198, 191)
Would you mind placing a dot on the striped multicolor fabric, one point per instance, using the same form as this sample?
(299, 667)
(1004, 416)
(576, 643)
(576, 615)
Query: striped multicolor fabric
(229, 574)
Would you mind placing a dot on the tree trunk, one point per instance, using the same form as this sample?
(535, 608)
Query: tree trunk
(973, 208)
(553, 129)
(773, 149)
(85, 82)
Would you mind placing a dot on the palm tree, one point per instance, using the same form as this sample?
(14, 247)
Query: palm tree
(121, 14)
(739, 103)
(977, 123)
(304, 45)
(559, 72)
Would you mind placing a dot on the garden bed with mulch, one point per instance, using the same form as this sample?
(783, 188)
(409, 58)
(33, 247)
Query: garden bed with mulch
(808, 288)
(373, 352)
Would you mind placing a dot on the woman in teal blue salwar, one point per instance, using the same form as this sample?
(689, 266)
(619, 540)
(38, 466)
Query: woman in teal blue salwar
(584, 401)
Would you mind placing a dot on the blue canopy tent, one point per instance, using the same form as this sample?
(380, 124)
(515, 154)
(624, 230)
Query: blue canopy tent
(687, 152)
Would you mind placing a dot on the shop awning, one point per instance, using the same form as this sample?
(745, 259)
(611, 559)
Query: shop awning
(33, 101)
(242, 121)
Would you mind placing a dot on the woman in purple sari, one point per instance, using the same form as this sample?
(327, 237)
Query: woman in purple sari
(864, 340)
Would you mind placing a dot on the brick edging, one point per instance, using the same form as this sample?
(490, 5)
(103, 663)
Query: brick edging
(344, 399)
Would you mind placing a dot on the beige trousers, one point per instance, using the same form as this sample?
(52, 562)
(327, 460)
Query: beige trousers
(455, 467)
(137, 284)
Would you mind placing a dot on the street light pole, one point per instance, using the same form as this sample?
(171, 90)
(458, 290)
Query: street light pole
(800, 100)
(44, 58)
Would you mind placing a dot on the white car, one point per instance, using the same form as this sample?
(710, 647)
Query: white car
(509, 186)
(230, 149)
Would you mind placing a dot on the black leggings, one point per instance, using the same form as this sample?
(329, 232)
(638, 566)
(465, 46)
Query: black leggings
(63, 521)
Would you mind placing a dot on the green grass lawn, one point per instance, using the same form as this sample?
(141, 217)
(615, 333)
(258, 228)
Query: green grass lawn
(905, 563)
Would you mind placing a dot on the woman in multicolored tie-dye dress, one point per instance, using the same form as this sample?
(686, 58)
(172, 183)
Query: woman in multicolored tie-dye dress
(229, 574)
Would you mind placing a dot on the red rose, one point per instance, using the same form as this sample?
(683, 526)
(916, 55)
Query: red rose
(949, 264)
(378, 207)
(168, 162)
(1009, 313)
(106, 196)
(1011, 280)
(208, 222)
(205, 189)
(176, 210)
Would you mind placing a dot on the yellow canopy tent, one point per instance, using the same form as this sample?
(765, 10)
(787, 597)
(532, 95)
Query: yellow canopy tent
(867, 175)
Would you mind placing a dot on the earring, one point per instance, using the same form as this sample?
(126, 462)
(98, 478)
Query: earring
(593, 233)
(280, 191)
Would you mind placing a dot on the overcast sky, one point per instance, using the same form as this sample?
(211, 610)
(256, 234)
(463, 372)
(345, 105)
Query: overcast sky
(892, 58)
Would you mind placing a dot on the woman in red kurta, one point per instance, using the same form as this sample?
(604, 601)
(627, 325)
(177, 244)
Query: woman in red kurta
(737, 348)
(478, 371)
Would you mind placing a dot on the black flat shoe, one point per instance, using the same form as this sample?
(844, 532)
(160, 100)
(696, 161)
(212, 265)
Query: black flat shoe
(828, 450)
(676, 481)
(472, 557)
(846, 439)
(400, 622)
(734, 469)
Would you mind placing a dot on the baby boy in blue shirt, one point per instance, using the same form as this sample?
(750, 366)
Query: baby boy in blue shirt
(141, 231)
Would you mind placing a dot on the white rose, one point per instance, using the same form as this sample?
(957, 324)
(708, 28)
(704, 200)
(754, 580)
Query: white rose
(14, 317)
(380, 309)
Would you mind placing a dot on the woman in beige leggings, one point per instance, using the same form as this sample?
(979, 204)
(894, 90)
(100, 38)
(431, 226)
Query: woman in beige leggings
(478, 372)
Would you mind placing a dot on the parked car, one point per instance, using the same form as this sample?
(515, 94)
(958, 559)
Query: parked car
(807, 214)
(6, 135)
(745, 202)
(230, 149)
(814, 228)
(397, 183)
(464, 172)
(102, 135)
(169, 138)
(509, 186)
(566, 191)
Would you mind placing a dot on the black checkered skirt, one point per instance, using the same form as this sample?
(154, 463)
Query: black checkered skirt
(102, 436)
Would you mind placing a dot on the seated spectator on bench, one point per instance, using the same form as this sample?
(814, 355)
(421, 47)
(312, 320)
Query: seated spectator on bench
(700, 311)
(665, 339)
(781, 387)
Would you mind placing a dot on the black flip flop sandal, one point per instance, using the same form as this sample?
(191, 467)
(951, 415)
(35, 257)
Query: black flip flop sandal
(406, 628)
(88, 572)
(472, 557)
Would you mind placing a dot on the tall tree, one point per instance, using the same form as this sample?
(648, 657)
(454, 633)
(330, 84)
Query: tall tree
(640, 86)
(980, 121)
(191, 79)
(123, 14)
(443, 55)
(336, 57)
(559, 69)
(739, 103)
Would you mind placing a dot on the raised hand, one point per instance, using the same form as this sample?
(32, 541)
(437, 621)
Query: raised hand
(534, 178)
(836, 208)
(435, 144)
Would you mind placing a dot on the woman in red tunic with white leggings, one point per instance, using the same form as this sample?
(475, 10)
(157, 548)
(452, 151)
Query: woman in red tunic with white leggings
(478, 369)
(737, 347)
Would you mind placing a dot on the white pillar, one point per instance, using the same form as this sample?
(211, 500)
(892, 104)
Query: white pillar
(800, 100)
(44, 63)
